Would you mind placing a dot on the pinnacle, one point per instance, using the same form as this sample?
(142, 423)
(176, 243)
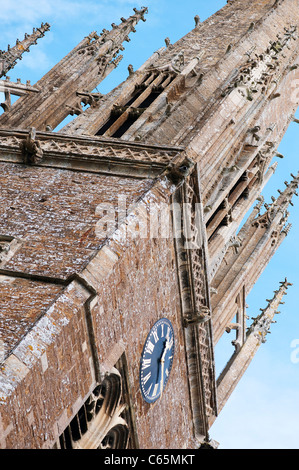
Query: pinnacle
(112, 39)
(285, 197)
(127, 24)
(8, 58)
(285, 283)
(141, 12)
(290, 189)
(262, 323)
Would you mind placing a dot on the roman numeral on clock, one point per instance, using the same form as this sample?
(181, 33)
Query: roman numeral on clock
(155, 335)
(155, 390)
(149, 348)
(146, 363)
(146, 378)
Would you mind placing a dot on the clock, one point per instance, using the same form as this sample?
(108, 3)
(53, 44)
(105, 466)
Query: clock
(156, 360)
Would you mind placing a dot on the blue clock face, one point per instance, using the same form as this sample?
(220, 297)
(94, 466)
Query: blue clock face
(156, 360)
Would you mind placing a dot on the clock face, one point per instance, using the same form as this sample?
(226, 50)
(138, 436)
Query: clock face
(156, 360)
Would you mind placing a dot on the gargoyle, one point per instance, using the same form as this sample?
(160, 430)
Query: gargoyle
(31, 148)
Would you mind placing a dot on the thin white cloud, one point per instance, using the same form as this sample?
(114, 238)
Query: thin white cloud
(30, 11)
(36, 59)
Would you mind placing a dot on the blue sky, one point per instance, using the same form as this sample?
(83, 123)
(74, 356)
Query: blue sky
(263, 411)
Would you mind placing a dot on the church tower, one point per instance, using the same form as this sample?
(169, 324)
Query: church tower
(124, 255)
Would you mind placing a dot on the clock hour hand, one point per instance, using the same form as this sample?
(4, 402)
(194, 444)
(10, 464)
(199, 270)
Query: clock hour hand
(162, 359)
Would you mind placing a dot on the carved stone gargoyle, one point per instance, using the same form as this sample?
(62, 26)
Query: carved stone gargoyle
(31, 148)
(201, 316)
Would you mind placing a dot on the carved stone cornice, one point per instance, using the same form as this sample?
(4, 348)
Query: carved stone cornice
(92, 154)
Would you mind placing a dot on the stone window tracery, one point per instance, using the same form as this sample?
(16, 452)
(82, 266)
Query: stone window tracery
(101, 421)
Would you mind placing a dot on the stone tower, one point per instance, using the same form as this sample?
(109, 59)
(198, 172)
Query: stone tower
(123, 258)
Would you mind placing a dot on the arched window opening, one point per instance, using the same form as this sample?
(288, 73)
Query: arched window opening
(98, 423)
(145, 93)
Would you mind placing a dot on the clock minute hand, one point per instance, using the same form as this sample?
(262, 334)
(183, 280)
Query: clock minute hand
(162, 367)
(162, 376)
(162, 360)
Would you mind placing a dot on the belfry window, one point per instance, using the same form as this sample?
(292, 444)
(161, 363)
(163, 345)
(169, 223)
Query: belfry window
(223, 214)
(122, 117)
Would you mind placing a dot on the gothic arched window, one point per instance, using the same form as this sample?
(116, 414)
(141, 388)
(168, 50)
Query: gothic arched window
(99, 423)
